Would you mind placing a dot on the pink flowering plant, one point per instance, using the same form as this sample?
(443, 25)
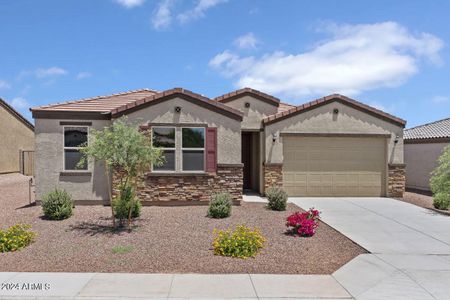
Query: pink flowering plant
(303, 223)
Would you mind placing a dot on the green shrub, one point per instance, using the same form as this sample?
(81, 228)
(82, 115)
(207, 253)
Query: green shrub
(440, 181)
(277, 198)
(220, 206)
(243, 242)
(57, 205)
(123, 202)
(16, 237)
(441, 201)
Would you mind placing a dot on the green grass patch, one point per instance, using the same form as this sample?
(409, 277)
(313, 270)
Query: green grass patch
(122, 249)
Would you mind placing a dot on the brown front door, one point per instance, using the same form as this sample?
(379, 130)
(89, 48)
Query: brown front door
(246, 158)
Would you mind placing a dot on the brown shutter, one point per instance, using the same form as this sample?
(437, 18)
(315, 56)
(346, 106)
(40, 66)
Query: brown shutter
(211, 149)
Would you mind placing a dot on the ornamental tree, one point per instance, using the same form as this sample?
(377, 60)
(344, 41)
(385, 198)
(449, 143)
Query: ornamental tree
(440, 181)
(123, 149)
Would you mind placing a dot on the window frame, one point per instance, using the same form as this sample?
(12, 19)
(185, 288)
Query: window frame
(74, 148)
(163, 148)
(193, 149)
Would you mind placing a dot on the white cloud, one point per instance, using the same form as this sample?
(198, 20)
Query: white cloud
(130, 3)
(441, 99)
(162, 17)
(50, 72)
(20, 103)
(83, 75)
(4, 85)
(246, 41)
(354, 59)
(199, 10)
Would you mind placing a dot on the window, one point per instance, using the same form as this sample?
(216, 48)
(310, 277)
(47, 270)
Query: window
(193, 149)
(74, 139)
(164, 138)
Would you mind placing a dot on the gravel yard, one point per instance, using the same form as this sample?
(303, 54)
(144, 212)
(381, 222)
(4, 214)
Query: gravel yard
(165, 240)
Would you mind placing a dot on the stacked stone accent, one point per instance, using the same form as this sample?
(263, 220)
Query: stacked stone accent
(396, 180)
(187, 189)
(273, 175)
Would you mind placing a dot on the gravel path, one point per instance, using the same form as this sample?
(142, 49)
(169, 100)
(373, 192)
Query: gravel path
(418, 199)
(166, 240)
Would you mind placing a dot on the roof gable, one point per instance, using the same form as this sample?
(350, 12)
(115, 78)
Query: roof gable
(182, 93)
(115, 105)
(329, 99)
(16, 114)
(251, 92)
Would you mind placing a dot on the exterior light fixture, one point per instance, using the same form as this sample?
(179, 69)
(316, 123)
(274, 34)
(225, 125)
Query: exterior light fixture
(397, 138)
(274, 137)
(177, 109)
(335, 111)
(247, 104)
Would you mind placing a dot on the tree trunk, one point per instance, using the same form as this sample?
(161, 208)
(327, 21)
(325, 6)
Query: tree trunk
(108, 178)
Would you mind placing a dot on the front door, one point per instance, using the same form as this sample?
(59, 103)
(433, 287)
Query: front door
(247, 159)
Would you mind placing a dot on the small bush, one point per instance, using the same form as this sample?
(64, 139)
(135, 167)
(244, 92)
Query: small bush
(123, 202)
(16, 237)
(243, 242)
(220, 206)
(441, 201)
(303, 223)
(277, 198)
(57, 205)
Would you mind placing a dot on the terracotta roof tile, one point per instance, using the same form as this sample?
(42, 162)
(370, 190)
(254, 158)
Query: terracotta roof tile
(248, 91)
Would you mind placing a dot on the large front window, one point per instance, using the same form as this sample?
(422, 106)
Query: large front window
(75, 138)
(183, 148)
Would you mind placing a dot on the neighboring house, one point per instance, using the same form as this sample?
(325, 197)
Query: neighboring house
(244, 140)
(16, 136)
(423, 146)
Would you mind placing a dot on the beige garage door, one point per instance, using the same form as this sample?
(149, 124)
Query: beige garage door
(334, 166)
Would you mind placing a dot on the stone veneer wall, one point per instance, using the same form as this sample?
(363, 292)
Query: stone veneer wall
(396, 180)
(273, 175)
(186, 189)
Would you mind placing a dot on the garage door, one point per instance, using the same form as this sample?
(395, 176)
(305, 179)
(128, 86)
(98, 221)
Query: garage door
(334, 166)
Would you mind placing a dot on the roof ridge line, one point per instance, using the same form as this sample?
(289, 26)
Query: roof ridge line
(98, 97)
(426, 124)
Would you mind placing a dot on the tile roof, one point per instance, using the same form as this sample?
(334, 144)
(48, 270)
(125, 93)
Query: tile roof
(118, 104)
(328, 99)
(99, 104)
(435, 130)
(248, 91)
(16, 114)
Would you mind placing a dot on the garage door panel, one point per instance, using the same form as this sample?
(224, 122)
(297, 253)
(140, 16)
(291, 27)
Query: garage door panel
(334, 166)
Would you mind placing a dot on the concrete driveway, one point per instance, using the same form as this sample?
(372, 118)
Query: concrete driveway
(409, 245)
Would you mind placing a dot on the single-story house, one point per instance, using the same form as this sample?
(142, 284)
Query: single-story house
(16, 141)
(423, 146)
(245, 140)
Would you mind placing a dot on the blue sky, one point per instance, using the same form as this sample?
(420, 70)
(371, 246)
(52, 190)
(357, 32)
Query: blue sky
(393, 55)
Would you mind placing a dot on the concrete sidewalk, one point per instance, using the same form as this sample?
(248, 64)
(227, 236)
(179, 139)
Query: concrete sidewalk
(169, 286)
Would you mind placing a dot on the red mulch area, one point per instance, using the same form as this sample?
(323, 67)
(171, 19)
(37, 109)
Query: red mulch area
(422, 201)
(165, 240)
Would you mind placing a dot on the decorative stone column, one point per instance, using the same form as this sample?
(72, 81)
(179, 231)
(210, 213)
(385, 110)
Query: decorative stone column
(273, 175)
(396, 180)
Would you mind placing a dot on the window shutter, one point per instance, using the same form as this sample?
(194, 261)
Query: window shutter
(211, 149)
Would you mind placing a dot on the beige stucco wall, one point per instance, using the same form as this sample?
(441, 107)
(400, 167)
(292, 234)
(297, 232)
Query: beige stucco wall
(228, 129)
(420, 160)
(49, 161)
(50, 137)
(253, 115)
(14, 136)
(322, 120)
